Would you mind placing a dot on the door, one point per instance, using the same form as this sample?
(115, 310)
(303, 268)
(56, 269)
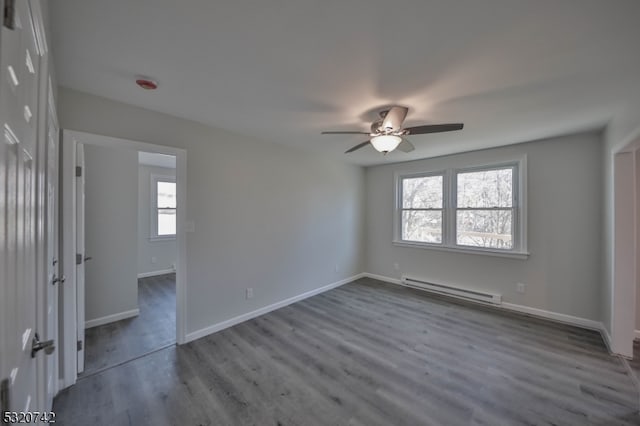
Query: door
(53, 280)
(71, 296)
(18, 107)
(80, 173)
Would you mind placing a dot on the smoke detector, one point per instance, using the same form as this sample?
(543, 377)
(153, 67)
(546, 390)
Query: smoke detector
(146, 83)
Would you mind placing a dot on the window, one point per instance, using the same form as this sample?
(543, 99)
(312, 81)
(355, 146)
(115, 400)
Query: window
(473, 210)
(163, 207)
(422, 209)
(484, 210)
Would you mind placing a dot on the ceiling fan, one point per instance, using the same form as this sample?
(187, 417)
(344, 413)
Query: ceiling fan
(388, 134)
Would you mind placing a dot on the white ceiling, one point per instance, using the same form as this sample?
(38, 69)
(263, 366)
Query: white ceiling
(157, 160)
(284, 70)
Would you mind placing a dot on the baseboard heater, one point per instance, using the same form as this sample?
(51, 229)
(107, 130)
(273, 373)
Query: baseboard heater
(449, 290)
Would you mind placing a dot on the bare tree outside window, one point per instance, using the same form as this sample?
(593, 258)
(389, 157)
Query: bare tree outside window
(484, 214)
(422, 209)
(474, 209)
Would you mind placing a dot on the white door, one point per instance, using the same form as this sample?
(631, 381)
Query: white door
(48, 280)
(53, 281)
(80, 173)
(18, 106)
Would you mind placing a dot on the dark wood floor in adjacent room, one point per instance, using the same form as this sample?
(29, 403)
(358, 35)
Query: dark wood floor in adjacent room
(154, 328)
(368, 353)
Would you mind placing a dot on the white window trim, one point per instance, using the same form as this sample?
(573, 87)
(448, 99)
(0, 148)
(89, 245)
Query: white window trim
(153, 207)
(520, 247)
(397, 218)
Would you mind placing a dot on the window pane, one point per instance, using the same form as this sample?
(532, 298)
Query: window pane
(166, 221)
(422, 192)
(485, 228)
(166, 194)
(489, 188)
(422, 225)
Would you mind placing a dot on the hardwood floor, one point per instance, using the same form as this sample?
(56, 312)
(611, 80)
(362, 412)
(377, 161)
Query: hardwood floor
(154, 328)
(368, 353)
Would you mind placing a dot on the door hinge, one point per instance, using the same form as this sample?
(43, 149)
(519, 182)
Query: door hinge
(78, 171)
(4, 397)
(79, 345)
(78, 259)
(10, 14)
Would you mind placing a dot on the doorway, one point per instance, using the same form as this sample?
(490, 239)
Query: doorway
(128, 296)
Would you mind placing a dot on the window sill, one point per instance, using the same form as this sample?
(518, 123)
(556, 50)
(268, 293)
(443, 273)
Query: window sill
(163, 238)
(486, 252)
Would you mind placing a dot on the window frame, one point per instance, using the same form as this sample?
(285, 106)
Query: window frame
(153, 207)
(400, 206)
(450, 209)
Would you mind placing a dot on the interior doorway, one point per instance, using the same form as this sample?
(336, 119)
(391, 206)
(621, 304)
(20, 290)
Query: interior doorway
(128, 286)
(131, 252)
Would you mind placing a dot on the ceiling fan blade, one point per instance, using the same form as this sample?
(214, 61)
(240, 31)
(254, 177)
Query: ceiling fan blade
(338, 132)
(361, 145)
(405, 146)
(433, 128)
(394, 118)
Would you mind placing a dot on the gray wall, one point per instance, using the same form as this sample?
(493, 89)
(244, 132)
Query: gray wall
(111, 200)
(564, 228)
(164, 251)
(266, 216)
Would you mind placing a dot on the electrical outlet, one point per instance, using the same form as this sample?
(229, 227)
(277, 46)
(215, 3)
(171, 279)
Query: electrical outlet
(396, 267)
(154, 260)
(521, 287)
(250, 293)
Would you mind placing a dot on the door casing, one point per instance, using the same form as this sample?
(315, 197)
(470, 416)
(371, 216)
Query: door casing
(70, 300)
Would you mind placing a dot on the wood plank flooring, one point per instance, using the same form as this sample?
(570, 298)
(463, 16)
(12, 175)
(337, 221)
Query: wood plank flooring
(368, 353)
(154, 328)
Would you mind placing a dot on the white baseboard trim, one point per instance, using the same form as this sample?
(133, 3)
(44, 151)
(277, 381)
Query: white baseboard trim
(554, 316)
(112, 318)
(266, 309)
(541, 313)
(383, 278)
(156, 273)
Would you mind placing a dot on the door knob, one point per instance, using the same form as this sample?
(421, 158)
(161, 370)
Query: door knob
(87, 258)
(60, 280)
(37, 345)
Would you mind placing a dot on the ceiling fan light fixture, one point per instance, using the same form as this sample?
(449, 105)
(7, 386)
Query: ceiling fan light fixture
(387, 133)
(385, 143)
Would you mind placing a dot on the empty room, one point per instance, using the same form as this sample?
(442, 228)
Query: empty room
(320, 213)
